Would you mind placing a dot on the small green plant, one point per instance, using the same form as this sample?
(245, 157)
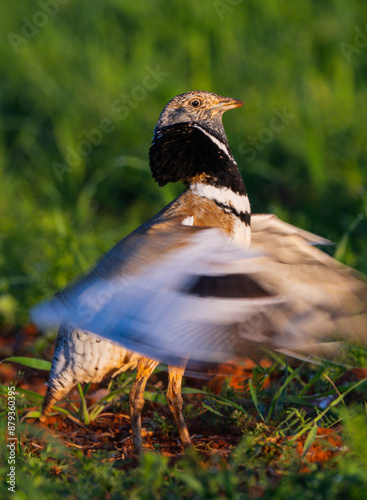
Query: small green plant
(165, 425)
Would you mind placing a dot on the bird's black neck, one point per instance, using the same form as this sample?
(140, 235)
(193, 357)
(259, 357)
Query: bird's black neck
(189, 152)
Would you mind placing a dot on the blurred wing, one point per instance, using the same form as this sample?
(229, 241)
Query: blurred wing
(327, 301)
(177, 292)
(143, 285)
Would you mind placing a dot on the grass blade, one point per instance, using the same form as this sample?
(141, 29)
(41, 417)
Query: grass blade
(83, 405)
(254, 399)
(216, 412)
(309, 441)
(32, 396)
(224, 401)
(38, 364)
(33, 414)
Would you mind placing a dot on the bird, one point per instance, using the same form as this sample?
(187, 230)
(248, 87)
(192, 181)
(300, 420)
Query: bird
(203, 280)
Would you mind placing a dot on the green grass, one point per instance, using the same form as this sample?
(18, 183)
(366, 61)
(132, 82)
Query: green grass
(188, 478)
(59, 211)
(263, 463)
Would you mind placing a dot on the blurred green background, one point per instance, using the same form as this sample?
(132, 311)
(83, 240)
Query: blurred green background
(83, 83)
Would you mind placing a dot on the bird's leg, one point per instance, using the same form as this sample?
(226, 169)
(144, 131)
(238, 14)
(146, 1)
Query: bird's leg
(136, 399)
(174, 400)
(53, 395)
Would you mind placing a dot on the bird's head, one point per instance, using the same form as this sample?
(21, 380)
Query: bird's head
(190, 141)
(197, 106)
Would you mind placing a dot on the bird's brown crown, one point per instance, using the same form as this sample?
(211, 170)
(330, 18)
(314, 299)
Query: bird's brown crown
(197, 106)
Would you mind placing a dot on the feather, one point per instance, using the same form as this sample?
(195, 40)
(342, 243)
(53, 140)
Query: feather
(189, 293)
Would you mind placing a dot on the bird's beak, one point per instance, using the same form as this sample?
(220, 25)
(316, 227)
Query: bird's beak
(228, 103)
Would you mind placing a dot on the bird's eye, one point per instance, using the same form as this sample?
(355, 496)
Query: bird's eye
(195, 103)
